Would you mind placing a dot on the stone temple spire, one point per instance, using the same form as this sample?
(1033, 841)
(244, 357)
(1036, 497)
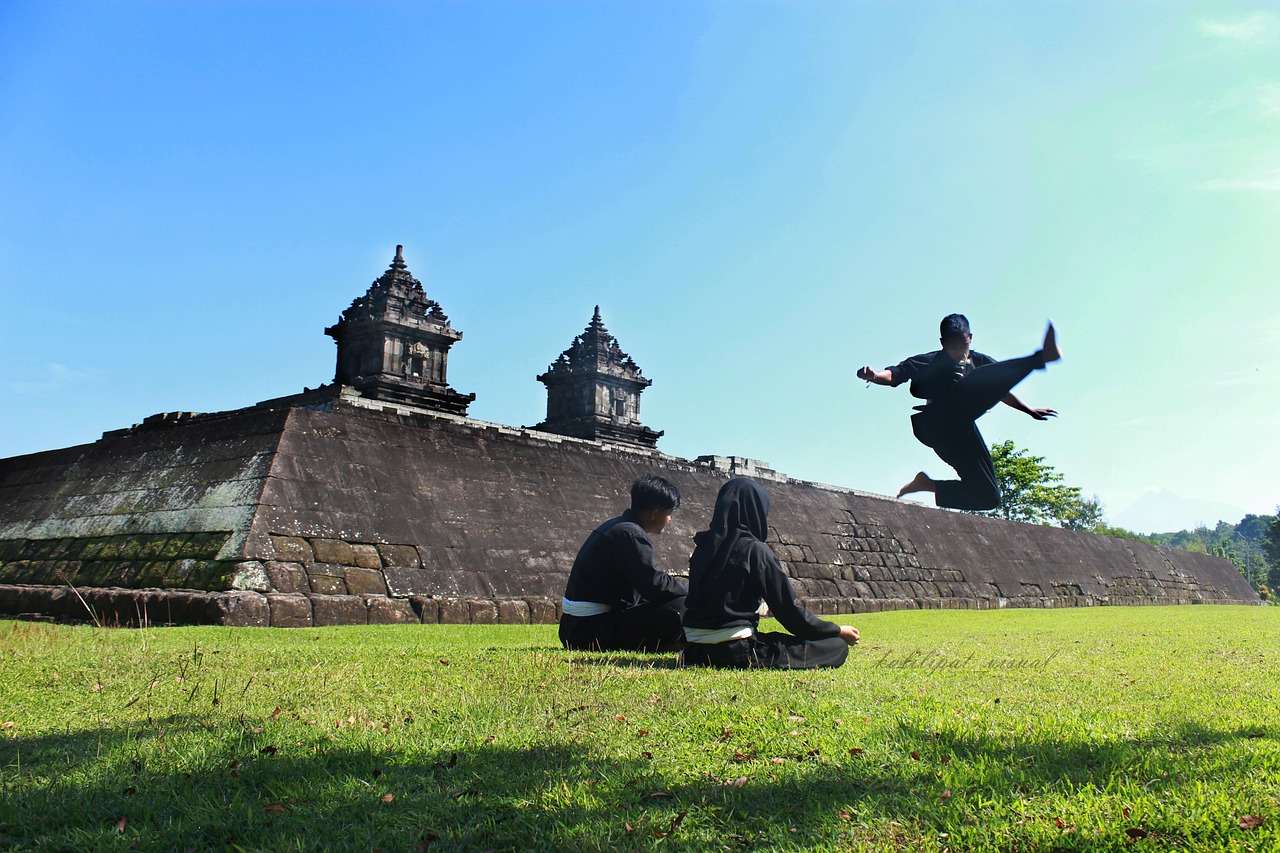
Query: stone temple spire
(593, 390)
(393, 344)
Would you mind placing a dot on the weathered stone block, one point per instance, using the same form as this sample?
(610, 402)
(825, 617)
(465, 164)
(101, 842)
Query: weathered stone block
(327, 584)
(399, 556)
(119, 607)
(13, 598)
(293, 549)
(250, 575)
(366, 556)
(403, 582)
(453, 611)
(339, 610)
(16, 571)
(240, 609)
(428, 609)
(483, 612)
(55, 599)
(152, 607)
(286, 577)
(289, 611)
(365, 581)
(206, 546)
(331, 569)
(333, 551)
(200, 574)
(172, 548)
(542, 611)
(513, 611)
(186, 607)
(390, 611)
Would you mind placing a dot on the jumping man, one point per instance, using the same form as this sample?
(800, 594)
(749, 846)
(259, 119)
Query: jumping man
(959, 386)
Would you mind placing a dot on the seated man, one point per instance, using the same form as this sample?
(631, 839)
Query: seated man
(617, 598)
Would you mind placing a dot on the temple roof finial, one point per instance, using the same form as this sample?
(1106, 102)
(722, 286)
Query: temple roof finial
(398, 262)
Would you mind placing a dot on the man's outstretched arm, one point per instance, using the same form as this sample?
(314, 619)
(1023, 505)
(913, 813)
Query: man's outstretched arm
(1012, 400)
(877, 377)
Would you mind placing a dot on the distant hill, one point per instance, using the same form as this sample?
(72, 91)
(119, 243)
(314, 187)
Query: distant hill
(1162, 511)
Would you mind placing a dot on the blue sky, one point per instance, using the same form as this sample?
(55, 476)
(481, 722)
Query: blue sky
(761, 197)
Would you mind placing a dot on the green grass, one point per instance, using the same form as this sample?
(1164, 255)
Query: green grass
(1090, 729)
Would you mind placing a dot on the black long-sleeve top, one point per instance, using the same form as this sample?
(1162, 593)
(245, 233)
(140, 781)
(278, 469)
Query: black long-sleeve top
(617, 566)
(733, 597)
(933, 373)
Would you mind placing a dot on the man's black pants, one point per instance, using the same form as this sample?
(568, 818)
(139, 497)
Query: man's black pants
(649, 627)
(769, 650)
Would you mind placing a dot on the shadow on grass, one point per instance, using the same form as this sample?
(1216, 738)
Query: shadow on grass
(118, 789)
(624, 659)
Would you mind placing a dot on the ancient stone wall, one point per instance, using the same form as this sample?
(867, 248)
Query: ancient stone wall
(297, 517)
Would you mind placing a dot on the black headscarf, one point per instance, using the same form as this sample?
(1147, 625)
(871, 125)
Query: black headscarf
(742, 511)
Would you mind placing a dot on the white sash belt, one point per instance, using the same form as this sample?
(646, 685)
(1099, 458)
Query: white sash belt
(712, 636)
(583, 608)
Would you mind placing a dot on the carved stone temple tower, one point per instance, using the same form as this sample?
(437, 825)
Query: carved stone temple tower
(593, 391)
(393, 344)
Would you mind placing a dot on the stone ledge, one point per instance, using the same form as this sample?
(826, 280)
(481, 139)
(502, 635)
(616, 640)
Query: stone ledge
(123, 607)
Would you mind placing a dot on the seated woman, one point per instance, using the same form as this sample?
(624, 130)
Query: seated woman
(730, 571)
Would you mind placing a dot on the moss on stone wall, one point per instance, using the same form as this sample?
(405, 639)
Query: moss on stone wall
(135, 561)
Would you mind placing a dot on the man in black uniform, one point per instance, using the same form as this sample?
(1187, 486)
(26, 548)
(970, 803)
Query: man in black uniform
(960, 386)
(617, 598)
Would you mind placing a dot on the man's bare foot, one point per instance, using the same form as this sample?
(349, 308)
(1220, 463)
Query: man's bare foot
(1049, 349)
(922, 482)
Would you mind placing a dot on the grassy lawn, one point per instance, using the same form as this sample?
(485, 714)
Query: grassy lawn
(1089, 729)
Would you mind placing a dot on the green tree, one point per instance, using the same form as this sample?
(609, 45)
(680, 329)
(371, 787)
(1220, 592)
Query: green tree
(1244, 544)
(1087, 515)
(1105, 529)
(1033, 492)
(1271, 540)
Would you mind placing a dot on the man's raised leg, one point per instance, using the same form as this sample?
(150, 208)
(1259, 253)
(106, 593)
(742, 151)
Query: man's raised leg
(975, 395)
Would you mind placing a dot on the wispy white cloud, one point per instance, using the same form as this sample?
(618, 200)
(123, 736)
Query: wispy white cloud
(1269, 100)
(49, 377)
(1252, 378)
(1140, 422)
(1263, 184)
(1258, 27)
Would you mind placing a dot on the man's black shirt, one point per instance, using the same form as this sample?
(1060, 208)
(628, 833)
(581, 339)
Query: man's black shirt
(933, 373)
(616, 566)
